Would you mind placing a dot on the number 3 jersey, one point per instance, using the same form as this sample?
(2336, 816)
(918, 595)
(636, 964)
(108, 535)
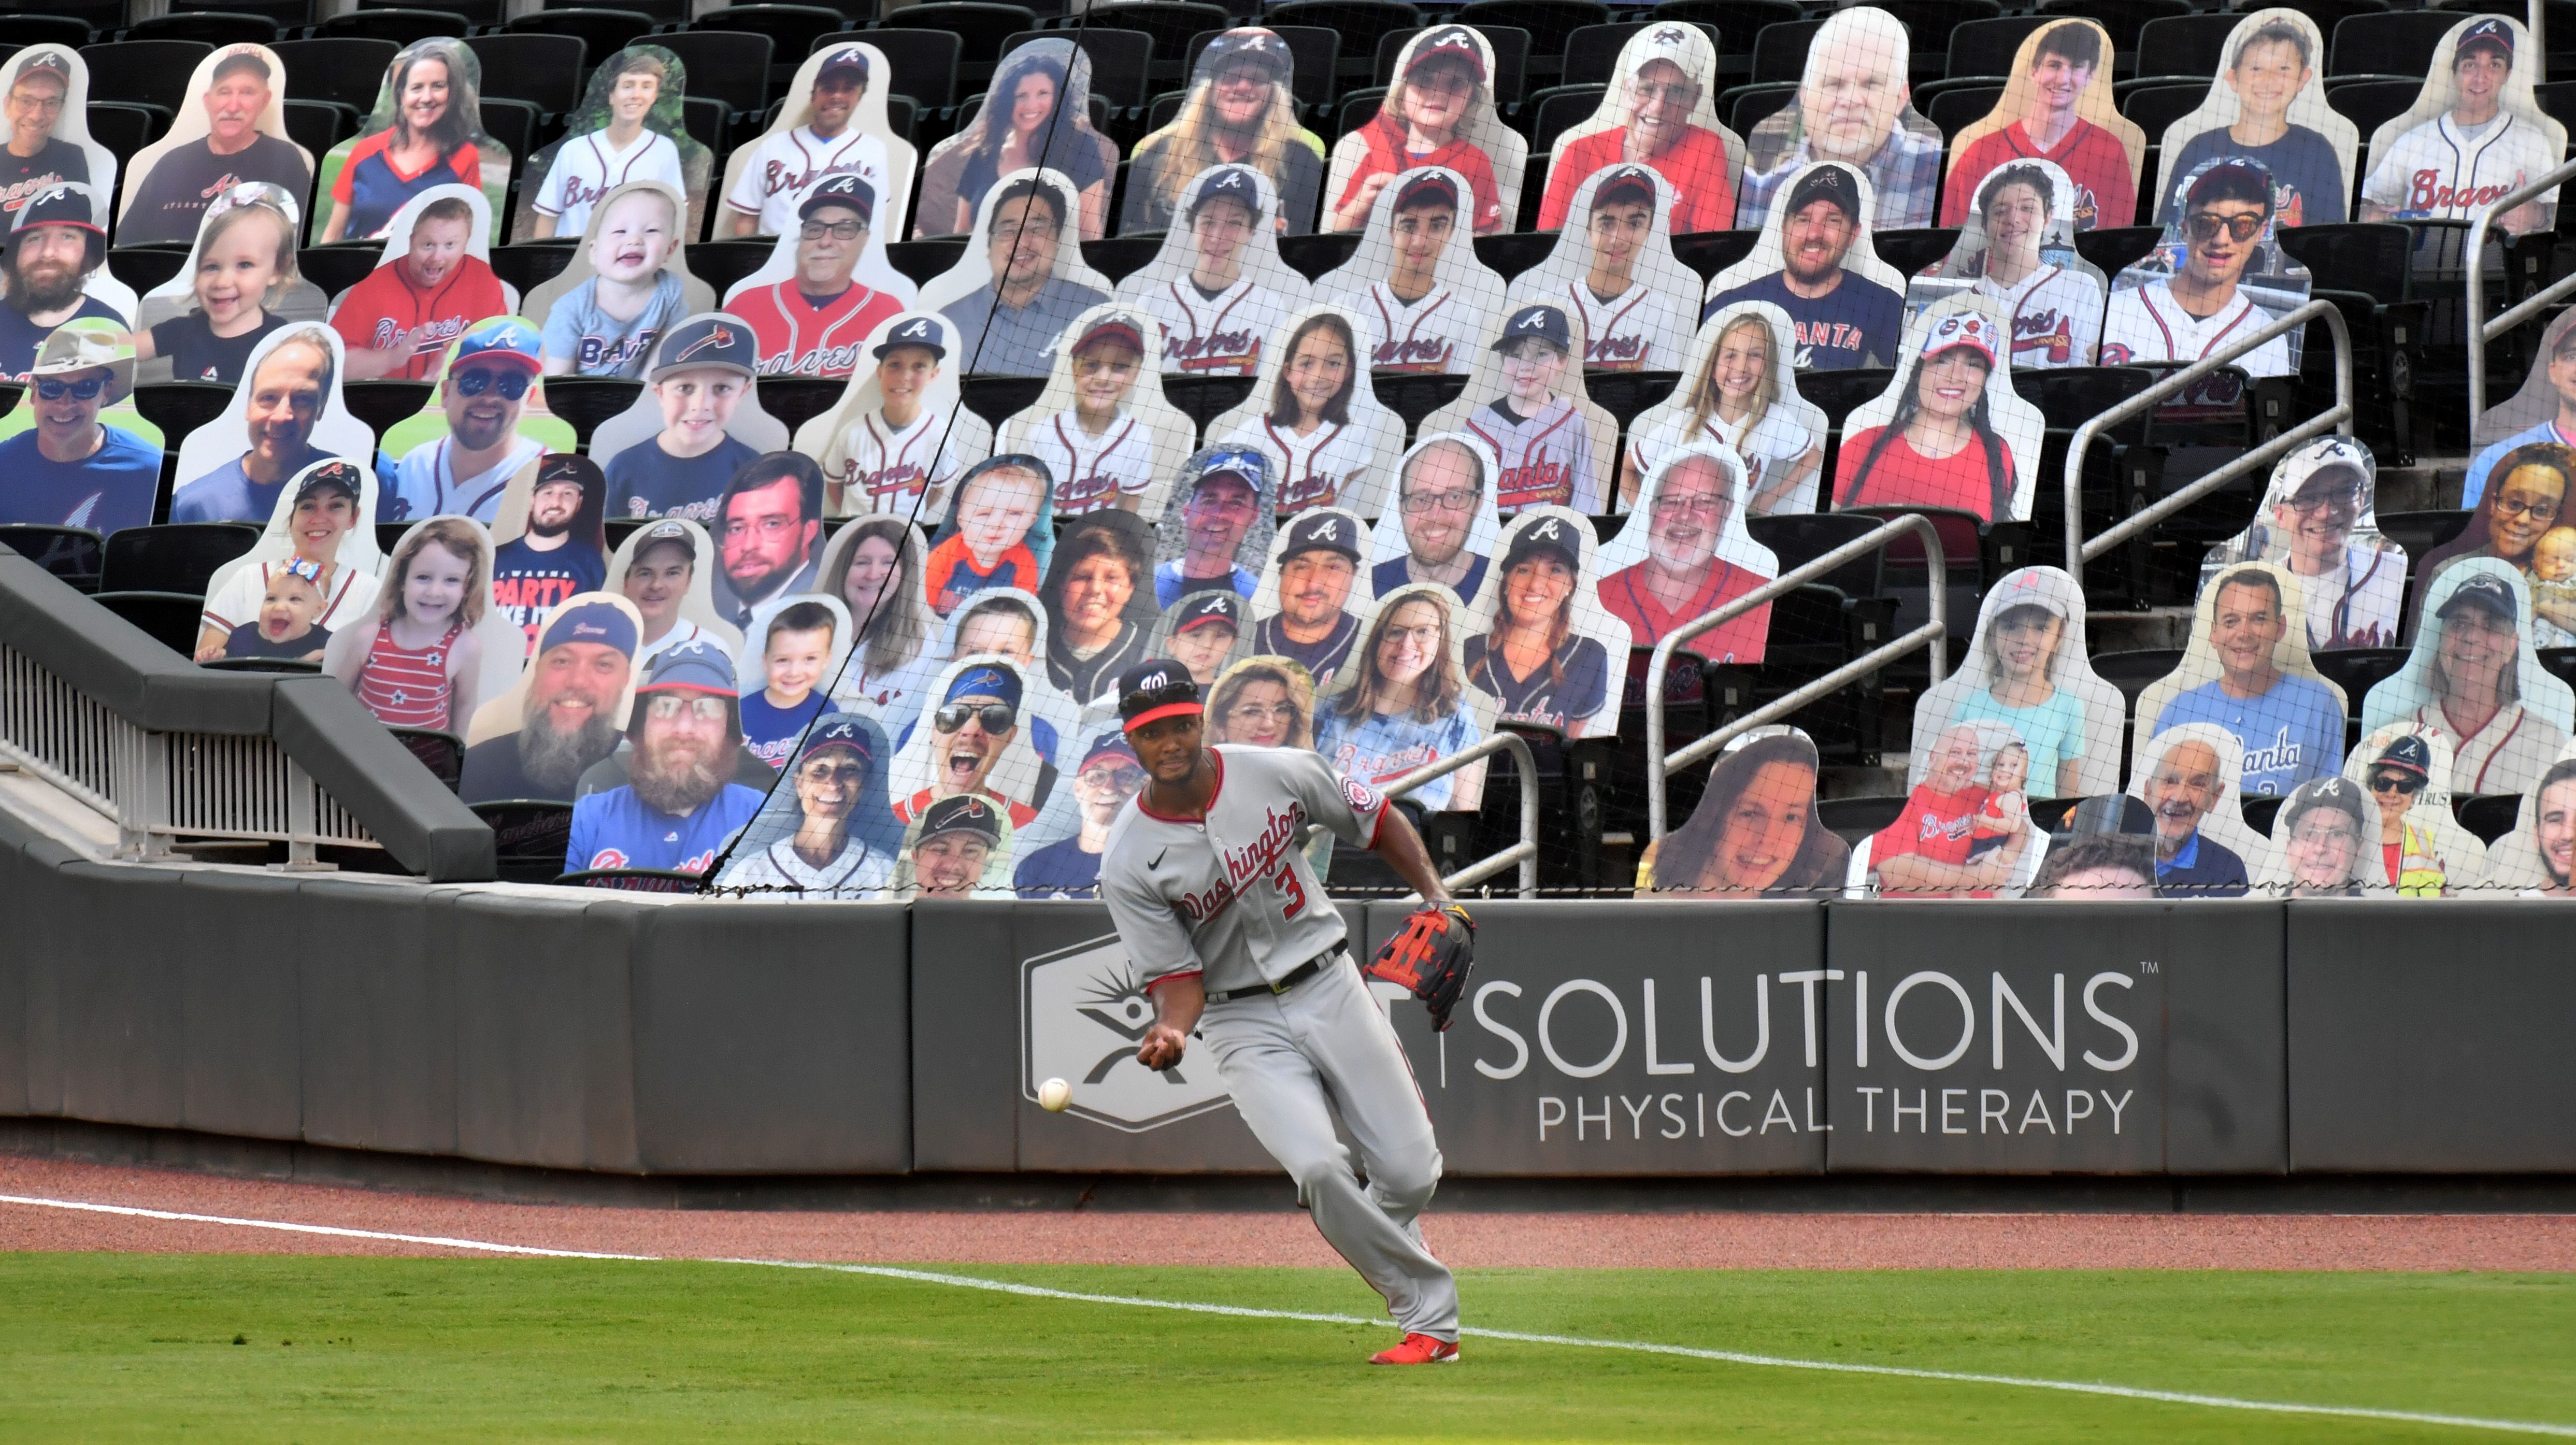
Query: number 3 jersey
(1232, 897)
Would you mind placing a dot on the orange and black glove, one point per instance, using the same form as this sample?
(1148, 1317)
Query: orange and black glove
(1431, 955)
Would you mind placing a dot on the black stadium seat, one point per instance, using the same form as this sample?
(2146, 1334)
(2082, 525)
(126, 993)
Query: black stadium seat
(1560, 109)
(1360, 23)
(181, 557)
(400, 24)
(924, 62)
(980, 26)
(478, 14)
(19, 31)
(126, 128)
(1550, 23)
(146, 72)
(1170, 24)
(2190, 47)
(169, 618)
(2391, 43)
(731, 66)
(180, 407)
(603, 31)
(318, 125)
(2123, 19)
(287, 15)
(347, 70)
(70, 553)
(546, 71)
(792, 31)
(530, 837)
(1780, 51)
(664, 12)
(213, 27)
(587, 401)
(1988, 47)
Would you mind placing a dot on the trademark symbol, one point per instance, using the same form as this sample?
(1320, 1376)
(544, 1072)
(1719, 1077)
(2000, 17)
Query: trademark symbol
(2146, 965)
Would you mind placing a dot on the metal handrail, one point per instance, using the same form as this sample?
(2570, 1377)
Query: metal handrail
(1524, 852)
(1658, 766)
(2337, 418)
(2482, 331)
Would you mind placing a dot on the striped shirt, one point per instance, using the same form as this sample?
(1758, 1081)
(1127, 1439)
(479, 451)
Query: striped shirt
(408, 687)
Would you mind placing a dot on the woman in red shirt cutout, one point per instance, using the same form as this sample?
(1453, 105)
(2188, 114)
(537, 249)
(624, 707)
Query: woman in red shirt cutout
(1941, 448)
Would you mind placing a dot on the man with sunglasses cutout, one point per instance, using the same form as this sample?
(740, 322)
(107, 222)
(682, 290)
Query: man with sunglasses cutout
(68, 470)
(815, 322)
(1070, 867)
(2200, 308)
(679, 804)
(970, 730)
(399, 319)
(465, 472)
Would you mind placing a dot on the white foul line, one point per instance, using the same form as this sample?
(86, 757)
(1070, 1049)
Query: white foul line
(1031, 1291)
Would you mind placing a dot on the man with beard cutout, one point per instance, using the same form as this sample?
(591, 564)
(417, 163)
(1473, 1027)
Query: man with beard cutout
(969, 731)
(2181, 791)
(465, 472)
(287, 392)
(769, 526)
(548, 565)
(1437, 493)
(583, 661)
(1842, 319)
(679, 804)
(53, 248)
(1313, 626)
(1682, 576)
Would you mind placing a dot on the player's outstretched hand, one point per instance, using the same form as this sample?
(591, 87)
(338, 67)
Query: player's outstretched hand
(1431, 955)
(1162, 1047)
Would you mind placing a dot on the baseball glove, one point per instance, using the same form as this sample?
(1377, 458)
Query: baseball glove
(1430, 955)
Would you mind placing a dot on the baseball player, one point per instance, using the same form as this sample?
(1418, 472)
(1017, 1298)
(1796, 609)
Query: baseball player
(1100, 454)
(399, 319)
(1229, 931)
(785, 163)
(1541, 437)
(885, 459)
(814, 322)
(2201, 308)
(2056, 312)
(2458, 163)
(1317, 565)
(1422, 326)
(590, 165)
(1627, 325)
(1214, 318)
(464, 472)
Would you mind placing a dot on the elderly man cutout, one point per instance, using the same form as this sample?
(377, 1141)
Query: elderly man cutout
(168, 203)
(287, 393)
(2181, 791)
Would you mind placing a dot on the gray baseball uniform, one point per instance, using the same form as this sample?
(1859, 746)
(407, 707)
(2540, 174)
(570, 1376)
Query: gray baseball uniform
(1232, 899)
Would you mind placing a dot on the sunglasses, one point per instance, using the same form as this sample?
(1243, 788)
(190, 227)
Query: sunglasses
(511, 384)
(2397, 782)
(2205, 226)
(52, 388)
(996, 717)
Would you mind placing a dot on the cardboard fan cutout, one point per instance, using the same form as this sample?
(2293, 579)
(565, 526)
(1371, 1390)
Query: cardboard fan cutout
(550, 539)
(2536, 858)
(2269, 105)
(1755, 833)
(1313, 592)
(666, 574)
(1854, 106)
(899, 435)
(2190, 777)
(286, 413)
(2474, 676)
(230, 132)
(1966, 830)
(1036, 115)
(697, 422)
(874, 566)
(2521, 519)
(1439, 112)
(1951, 431)
(999, 532)
(1218, 286)
(1021, 281)
(433, 281)
(426, 132)
(2321, 845)
(80, 461)
(571, 702)
(1685, 553)
(2474, 135)
(1314, 414)
(1416, 278)
(627, 283)
(1216, 532)
(1240, 110)
(2217, 275)
(49, 142)
(1739, 392)
(2246, 669)
(2056, 107)
(972, 740)
(2027, 668)
(1263, 701)
(631, 126)
(965, 849)
(54, 270)
(827, 833)
(324, 528)
(832, 122)
(429, 642)
(1099, 599)
(2406, 770)
(2017, 249)
(1659, 113)
(1527, 403)
(826, 285)
(1441, 526)
(1205, 632)
(1008, 622)
(1545, 650)
(2544, 410)
(2317, 522)
(1108, 435)
(239, 285)
(792, 648)
(1816, 263)
(1403, 702)
(1614, 270)
(462, 451)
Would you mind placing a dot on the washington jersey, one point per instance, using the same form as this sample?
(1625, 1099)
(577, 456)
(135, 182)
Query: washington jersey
(1216, 335)
(2147, 324)
(795, 337)
(2437, 172)
(586, 168)
(785, 164)
(1637, 330)
(884, 468)
(1547, 456)
(1092, 472)
(1323, 470)
(1438, 333)
(2056, 316)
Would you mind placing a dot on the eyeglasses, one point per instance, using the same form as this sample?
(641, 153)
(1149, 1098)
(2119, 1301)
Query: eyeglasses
(1698, 506)
(1428, 634)
(51, 388)
(772, 525)
(995, 716)
(1681, 95)
(1034, 230)
(2537, 511)
(2319, 837)
(1124, 779)
(2206, 225)
(1453, 501)
(511, 384)
(704, 709)
(837, 230)
(827, 772)
(2405, 783)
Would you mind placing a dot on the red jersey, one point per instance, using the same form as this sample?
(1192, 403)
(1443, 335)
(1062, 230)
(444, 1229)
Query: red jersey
(1935, 826)
(1740, 639)
(408, 687)
(385, 312)
(2106, 189)
(1904, 477)
(1703, 195)
(1387, 156)
(795, 337)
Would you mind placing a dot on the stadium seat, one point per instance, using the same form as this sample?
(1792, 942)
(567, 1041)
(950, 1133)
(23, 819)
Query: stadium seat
(707, 119)
(513, 123)
(2122, 19)
(2133, 672)
(796, 400)
(1119, 257)
(172, 619)
(2115, 248)
(722, 263)
(2489, 815)
(587, 401)
(1360, 23)
(1853, 819)
(180, 407)
(19, 31)
(924, 62)
(981, 26)
(399, 24)
(2420, 532)
(631, 880)
(1798, 538)
(1120, 60)
(792, 31)
(1357, 108)
(1780, 51)
(2387, 43)
(2372, 102)
(1592, 52)
(1555, 110)
(919, 261)
(70, 553)
(1550, 23)
(1735, 23)
(318, 125)
(287, 15)
(479, 14)
(546, 71)
(1954, 109)
(345, 70)
(1910, 249)
(144, 72)
(2069, 396)
(125, 128)
(603, 32)
(1747, 106)
(1510, 253)
(1511, 57)
(2155, 108)
(1988, 47)
(664, 12)
(2366, 270)
(145, 265)
(997, 398)
(381, 404)
(530, 837)
(213, 27)
(1169, 23)
(182, 557)
(2359, 669)
(1930, 21)
(443, 753)
(2185, 47)
(2327, 13)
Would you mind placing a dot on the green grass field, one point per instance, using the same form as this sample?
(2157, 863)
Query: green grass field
(125, 1347)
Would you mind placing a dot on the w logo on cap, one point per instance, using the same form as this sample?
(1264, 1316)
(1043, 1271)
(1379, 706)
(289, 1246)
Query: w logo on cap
(1153, 680)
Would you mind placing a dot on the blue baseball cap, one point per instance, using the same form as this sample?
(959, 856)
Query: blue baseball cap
(839, 730)
(714, 340)
(985, 680)
(847, 190)
(925, 332)
(694, 666)
(1230, 183)
(600, 622)
(847, 57)
(1241, 463)
(1108, 745)
(503, 338)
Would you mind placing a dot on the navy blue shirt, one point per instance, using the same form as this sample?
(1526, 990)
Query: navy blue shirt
(1389, 575)
(20, 336)
(110, 489)
(527, 583)
(1059, 870)
(2202, 869)
(646, 481)
(1858, 323)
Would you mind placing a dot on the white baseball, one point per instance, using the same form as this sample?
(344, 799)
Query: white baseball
(1054, 1094)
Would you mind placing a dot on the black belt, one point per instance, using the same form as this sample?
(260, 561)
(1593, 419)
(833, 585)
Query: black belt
(1295, 976)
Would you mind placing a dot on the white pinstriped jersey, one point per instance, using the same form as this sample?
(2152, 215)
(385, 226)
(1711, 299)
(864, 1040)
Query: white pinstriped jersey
(1775, 442)
(1214, 336)
(883, 468)
(2056, 316)
(787, 163)
(1547, 457)
(1092, 472)
(1637, 330)
(586, 169)
(2436, 172)
(1435, 334)
(2146, 323)
(1315, 471)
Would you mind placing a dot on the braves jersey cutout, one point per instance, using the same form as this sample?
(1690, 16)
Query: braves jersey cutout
(2146, 323)
(1433, 334)
(1092, 472)
(2056, 316)
(796, 336)
(2438, 172)
(1637, 330)
(587, 168)
(784, 165)
(1547, 456)
(886, 468)
(1214, 336)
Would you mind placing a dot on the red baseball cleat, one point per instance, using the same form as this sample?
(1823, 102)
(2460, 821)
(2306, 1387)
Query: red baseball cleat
(1418, 1350)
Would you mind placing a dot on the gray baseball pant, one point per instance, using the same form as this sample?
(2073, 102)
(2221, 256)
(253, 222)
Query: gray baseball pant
(1282, 1057)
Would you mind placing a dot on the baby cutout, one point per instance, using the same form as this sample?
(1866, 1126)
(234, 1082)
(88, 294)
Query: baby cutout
(627, 284)
(325, 518)
(998, 533)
